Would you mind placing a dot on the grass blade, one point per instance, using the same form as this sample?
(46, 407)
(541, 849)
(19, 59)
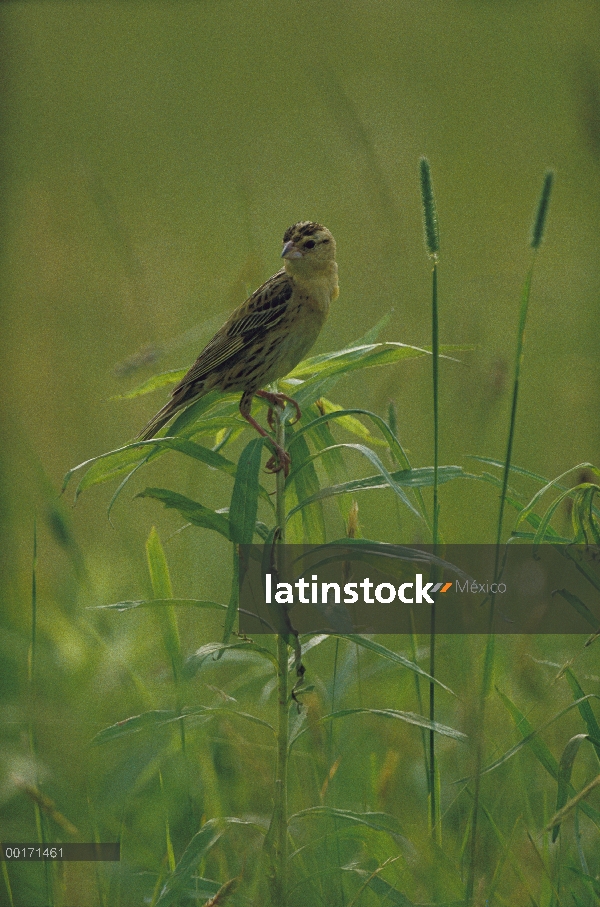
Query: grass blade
(564, 776)
(164, 379)
(242, 520)
(585, 709)
(407, 717)
(147, 721)
(408, 478)
(307, 486)
(374, 459)
(376, 821)
(195, 661)
(161, 603)
(193, 512)
(394, 657)
(244, 499)
(180, 881)
(161, 587)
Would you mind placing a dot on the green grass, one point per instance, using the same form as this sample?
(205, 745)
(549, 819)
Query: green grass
(309, 770)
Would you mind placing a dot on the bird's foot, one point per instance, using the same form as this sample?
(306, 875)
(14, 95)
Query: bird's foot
(280, 460)
(279, 400)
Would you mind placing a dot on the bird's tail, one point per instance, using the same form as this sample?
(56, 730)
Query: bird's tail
(157, 421)
(182, 396)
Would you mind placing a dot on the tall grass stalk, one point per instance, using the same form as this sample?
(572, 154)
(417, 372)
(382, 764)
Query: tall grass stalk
(31, 682)
(432, 245)
(280, 814)
(6, 880)
(537, 234)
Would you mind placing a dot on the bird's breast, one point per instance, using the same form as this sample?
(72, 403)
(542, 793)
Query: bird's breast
(306, 312)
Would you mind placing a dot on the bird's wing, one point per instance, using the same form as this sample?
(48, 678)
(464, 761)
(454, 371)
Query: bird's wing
(260, 312)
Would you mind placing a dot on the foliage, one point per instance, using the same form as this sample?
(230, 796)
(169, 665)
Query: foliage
(302, 770)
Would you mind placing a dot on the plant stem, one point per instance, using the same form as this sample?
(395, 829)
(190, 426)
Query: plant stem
(435, 829)
(280, 810)
(488, 664)
(435, 354)
(432, 245)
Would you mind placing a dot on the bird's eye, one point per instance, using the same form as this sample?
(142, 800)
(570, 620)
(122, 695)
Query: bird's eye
(324, 240)
(310, 243)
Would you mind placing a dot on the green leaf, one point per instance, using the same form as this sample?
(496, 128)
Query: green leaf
(367, 355)
(350, 423)
(384, 892)
(307, 485)
(190, 415)
(117, 462)
(564, 774)
(320, 435)
(326, 370)
(408, 717)
(573, 803)
(242, 520)
(409, 478)
(585, 709)
(541, 532)
(234, 596)
(538, 747)
(161, 587)
(388, 654)
(593, 882)
(182, 879)
(122, 484)
(578, 605)
(393, 443)
(374, 459)
(192, 511)
(204, 454)
(518, 470)
(154, 383)
(144, 722)
(532, 739)
(109, 465)
(376, 821)
(157, 565)
(530, 506)
(367, 550)
(208, 711)
(214, 649)
(160, 603)
(374, 332)
(584, 514)
(244, 499)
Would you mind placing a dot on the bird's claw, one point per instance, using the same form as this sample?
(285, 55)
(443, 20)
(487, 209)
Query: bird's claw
(279, 400)
(280, 460)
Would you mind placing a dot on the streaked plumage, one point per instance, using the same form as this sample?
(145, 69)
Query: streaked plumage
(265, 337)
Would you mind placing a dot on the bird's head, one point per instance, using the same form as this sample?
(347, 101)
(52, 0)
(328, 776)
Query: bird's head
(307, 246)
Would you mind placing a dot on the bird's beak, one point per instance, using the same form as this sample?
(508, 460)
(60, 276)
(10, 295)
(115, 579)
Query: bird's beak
(290, 250)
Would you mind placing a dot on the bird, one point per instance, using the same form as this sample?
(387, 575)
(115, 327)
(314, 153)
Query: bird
(266, 336)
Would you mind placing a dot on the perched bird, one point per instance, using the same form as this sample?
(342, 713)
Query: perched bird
(266, 337)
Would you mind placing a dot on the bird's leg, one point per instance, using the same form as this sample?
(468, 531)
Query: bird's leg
(281, 458)
(279, 400)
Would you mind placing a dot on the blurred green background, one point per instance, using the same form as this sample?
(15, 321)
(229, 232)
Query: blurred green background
(154, 154)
